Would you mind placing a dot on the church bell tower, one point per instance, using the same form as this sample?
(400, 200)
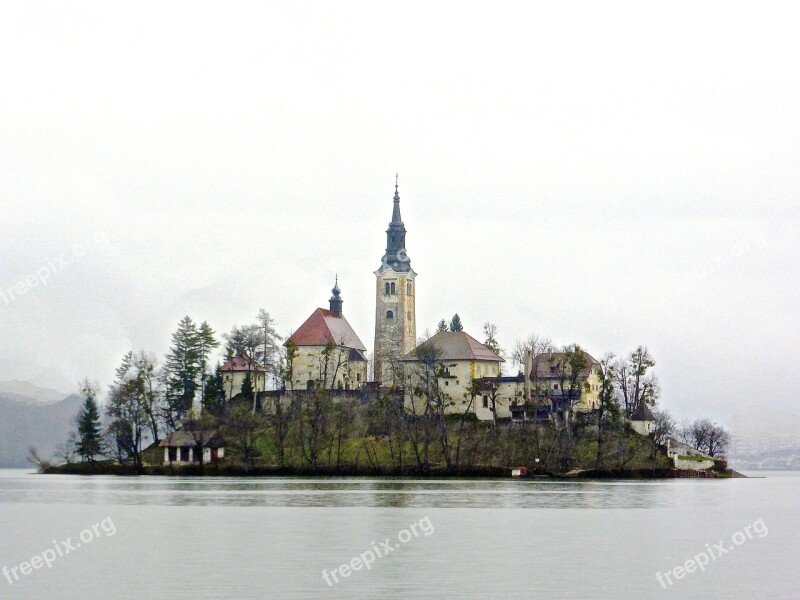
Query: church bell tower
(395, 292)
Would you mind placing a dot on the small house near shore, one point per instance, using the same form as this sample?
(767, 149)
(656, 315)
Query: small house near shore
(183, 447)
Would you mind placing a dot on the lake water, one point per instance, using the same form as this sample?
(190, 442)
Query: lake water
(198, 538)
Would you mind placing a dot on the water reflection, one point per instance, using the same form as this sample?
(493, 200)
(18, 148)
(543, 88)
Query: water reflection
(19, 487)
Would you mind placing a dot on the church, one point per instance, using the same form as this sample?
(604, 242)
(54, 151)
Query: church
(325, 352)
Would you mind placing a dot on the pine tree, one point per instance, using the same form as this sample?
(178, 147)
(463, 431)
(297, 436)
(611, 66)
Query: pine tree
(183, 367)
(442, 326)
(206, 342)
(214, 392)
(455, 323)
(247, 385)
(90, 439)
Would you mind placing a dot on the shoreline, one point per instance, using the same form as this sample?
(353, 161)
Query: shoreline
(243, 472)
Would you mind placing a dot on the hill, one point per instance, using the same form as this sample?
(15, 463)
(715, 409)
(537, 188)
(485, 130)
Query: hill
(25, 422)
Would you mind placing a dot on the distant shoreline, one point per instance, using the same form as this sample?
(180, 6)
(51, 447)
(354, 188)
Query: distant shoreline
(216, 470)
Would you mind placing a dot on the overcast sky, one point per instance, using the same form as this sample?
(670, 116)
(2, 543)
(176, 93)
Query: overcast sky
(612, 176)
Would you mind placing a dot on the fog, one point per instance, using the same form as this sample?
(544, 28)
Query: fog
(609, 175)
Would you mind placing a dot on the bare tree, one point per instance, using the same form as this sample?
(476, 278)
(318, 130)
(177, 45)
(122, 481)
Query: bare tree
(636, 381)
(35, 458)
(242, 428)
(705, 435)
(535, 343)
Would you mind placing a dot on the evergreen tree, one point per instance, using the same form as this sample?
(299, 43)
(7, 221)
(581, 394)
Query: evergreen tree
(183, 367)
(214, 392)
(247, 385)
(442, 326)
(455, 323)
(90, 439)
(206, 342)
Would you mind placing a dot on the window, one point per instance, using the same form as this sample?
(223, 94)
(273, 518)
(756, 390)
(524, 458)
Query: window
(408, 289)
(358, 376)
(555, 386)
(184, 453)
(486, 402)
(389, 314)
(393, 290)
(386, 288)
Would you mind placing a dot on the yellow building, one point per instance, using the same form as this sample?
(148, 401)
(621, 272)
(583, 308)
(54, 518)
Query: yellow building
(447, 365)
(327, 352)
(236, 369)
(554, 389)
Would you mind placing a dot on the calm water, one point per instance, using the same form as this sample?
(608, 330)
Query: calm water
(271, 538)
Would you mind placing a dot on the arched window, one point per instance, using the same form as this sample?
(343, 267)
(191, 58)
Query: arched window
(389, 314)
(386, 289)
(393, 291)
(408, 288)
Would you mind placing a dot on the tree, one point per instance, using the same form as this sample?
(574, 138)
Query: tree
(705, 435)
(182, 370)
(442, 326)
(146, 369)
(535, 343)
(214, 392)
(206, 342)
(490, 332)
(663, 426)
(37, 459)
(455, 323)
(636, 382)
(201, 427)
(90, 438)
(608, 405)
(242, 428)
(269, 355)
(288, 365)
(130, 399)
(247, 385)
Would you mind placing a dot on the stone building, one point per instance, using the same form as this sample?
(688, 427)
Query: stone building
(395, 296)
(328, 353)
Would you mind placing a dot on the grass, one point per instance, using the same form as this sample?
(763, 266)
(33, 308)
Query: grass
(694, 458)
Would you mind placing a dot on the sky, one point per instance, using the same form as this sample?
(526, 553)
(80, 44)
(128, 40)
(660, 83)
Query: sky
(609, 175)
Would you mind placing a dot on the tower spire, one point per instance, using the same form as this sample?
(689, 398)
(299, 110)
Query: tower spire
(336, 299)
(395, 256)
(396, 210)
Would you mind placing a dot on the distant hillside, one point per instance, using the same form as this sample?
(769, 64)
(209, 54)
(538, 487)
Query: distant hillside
(28, 393)
(28, 423)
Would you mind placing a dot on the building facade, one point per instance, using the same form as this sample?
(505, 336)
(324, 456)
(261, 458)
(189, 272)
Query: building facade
(395, 301)
(325, 352)
(447, 367)
(235, 370)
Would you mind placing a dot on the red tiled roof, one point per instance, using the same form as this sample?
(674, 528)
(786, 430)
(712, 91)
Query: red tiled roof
(241, 362)
(326, 327)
